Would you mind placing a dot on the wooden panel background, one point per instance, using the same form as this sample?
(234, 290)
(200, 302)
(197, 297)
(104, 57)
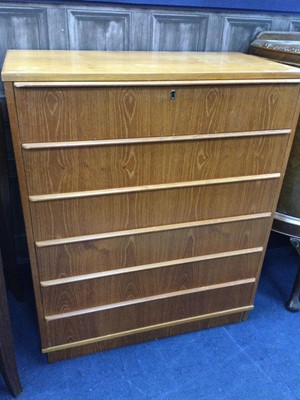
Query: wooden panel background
(172, 31)
(99, 27)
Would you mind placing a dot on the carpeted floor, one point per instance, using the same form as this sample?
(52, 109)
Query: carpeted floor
(257, 359)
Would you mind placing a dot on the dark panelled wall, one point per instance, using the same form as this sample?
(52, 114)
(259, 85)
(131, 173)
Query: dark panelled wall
(98, 26)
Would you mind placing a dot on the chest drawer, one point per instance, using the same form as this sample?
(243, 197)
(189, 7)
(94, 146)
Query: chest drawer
(118, 319)
(84, 255)
(71, 217)
(64, 296)
(78, 169)
(64, 114)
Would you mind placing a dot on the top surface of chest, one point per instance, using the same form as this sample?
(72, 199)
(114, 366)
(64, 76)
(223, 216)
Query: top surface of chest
(55, 66)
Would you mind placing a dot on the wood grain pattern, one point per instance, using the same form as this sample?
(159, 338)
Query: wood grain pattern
(107, 254)
(114, 289)
(62, 114)
(106, 322)
(93, 346)
(116, 66)
(92, 168)
(73, 217)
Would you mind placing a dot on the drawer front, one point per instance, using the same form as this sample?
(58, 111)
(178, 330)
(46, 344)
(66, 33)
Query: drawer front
(91, 215)
(68, 351)
(62, 296)
(77, 258)
(104, 167)
(62, 114)
(120, 319)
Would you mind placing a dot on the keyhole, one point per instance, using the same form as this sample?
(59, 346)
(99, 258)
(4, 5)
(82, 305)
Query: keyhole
(173, 94)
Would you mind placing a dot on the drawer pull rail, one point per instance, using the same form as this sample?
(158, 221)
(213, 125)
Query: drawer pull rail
(146, 188)
(155, 139)
(148, 299)
(151, 229)
(145, 267)
(147, 328)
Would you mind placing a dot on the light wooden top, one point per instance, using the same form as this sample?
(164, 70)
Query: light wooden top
(49, 65)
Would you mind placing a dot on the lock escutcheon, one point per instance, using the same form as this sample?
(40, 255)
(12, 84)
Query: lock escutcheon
(173, 94)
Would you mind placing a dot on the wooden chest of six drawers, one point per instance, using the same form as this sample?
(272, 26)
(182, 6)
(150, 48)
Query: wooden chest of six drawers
(148, 188)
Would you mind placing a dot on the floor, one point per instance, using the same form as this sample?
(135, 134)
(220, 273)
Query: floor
(256, 359)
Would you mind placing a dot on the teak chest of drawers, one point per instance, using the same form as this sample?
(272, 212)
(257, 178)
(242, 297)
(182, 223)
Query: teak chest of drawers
(148, 183)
